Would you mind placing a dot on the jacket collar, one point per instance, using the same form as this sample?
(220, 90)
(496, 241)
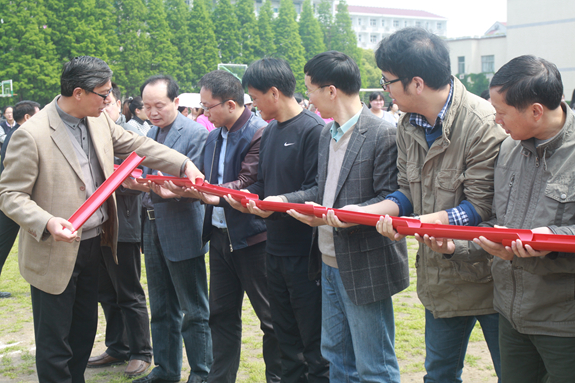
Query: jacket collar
(241, 121)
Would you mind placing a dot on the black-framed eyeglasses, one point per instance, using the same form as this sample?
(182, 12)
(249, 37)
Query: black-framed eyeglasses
(308, 92)
(205, 107)
(384, 83)
(104, 96)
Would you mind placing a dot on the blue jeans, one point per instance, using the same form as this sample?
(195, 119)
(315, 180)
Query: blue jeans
(178, 294)
(358, 341)
(446, 342)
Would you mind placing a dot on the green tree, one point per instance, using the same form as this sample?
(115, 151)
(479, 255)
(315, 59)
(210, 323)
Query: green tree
(227, 31)
(249, 39)
(267, 36)
(163, 53)
(310, 31)
(178, 12)
(370, 74)
(476, 82)
(78, 28)
(325, 18)
(132, 67)
(28, 56)
(203, 41)
(343, 37)
(288, 42)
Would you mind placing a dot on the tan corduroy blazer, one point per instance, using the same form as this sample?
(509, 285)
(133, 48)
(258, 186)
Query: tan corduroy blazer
(43, 178)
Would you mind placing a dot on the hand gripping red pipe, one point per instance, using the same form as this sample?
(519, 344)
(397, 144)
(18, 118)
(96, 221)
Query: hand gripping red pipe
(105, 190)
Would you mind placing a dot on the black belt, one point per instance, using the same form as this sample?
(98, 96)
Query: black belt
(151, 215)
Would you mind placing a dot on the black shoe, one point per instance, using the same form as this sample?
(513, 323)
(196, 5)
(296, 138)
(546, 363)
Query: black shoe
(153, 379)
(5, 294)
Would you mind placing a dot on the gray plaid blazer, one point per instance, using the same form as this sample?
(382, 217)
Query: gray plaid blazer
(372, 267)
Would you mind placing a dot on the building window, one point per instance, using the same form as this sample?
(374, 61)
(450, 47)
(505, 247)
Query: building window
(461, 64)
(396, 23)
(439, 25)
(383, 23)
(358, 21)
(418, 24)
(405, 23)
(373, 22)
(276, 10)
(373, 38)
(488, 64)
(359, 38)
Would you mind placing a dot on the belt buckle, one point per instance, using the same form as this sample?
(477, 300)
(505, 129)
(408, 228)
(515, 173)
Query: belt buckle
(151, 215)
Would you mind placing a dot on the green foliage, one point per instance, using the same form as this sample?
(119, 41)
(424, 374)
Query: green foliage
(131, 69)
(267, 46)
(163, 53)
(325, 18)
(343, 38)
(227, 32)
(28, 56)
(310, 31)
(248, 38)
(370, 73)
(178, 12)
(203, 41)
(476, 83)
(288, 42)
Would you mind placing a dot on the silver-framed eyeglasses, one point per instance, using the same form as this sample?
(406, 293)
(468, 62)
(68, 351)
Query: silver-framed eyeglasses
(308, 92)
(205, 107)
(384, 82)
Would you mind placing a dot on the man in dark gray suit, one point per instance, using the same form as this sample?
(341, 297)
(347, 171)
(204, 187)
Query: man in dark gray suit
(361, 270)
(172, 239)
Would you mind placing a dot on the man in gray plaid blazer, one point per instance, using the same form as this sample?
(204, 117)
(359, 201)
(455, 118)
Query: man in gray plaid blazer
(361, 270)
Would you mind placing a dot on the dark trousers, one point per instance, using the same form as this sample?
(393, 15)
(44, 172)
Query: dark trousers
(8, 233)
(295, 302)
(232, 273)
(535, 358)
(65, 324)
(124, 303)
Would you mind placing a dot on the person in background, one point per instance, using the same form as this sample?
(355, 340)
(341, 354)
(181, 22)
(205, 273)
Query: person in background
(184, 110)
(392, 114)
(376, 104)
(119, 290)
(6, 126)
(573, 100)
(8, 228)
(126, 109)
(139, 119)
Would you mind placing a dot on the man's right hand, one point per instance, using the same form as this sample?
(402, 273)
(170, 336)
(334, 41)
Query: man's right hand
(385, 227)
(61, 230)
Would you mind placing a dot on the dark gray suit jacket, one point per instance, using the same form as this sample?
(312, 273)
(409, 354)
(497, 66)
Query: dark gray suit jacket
(179, 222)
(372, 267)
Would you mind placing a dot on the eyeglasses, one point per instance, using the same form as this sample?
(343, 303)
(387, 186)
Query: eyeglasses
(384, 83)
(104, 96)
(207, 108)
(308, 92)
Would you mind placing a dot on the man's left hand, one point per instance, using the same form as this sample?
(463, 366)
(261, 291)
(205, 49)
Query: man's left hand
(527, 251)
(192, 172)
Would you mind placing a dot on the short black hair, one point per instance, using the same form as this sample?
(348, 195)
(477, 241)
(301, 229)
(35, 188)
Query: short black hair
(23, 108)
(116, 92)
(6, 107)
(136, 103)
(375, 95)
(268, 72)
(528, 79)
(485, 94)
(298, 97)
(334, 68)
(412, 52)
(224, 86)
(173, 87)
(85, 72)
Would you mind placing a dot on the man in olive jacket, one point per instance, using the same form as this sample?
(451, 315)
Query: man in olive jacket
(447, 142)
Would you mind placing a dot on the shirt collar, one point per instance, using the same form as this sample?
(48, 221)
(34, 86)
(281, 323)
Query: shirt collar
(419, 120)
(69, 120)
(338, 131)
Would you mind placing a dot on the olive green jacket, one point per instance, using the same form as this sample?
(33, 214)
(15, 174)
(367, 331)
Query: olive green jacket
(458, 166)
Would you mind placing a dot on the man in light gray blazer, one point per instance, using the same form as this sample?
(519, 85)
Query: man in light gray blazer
(360, 270)
(172, 245)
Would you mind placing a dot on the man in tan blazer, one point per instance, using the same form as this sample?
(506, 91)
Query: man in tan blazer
(55, 161)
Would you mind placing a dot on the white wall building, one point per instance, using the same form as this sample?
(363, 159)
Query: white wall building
(372, 24)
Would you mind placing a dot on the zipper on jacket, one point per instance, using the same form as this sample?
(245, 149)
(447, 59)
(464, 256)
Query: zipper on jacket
(509, 194)
(514, 293)
(228, 231)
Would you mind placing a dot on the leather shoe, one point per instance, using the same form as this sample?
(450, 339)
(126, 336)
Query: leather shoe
(4, 294)
(135, 368)
(152, 379)
(103, 360)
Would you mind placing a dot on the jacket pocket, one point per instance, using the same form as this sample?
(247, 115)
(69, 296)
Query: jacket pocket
(562, 204)
(449, 192)
(478, 271)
